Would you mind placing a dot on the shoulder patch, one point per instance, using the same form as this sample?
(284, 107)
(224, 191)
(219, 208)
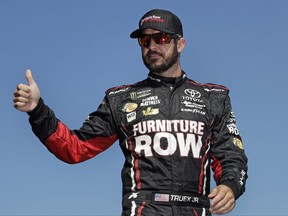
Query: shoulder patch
(210, 87)
(123, 88)
(117, 90)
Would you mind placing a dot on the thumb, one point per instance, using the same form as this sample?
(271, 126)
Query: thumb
(29, 77)
(213, 193)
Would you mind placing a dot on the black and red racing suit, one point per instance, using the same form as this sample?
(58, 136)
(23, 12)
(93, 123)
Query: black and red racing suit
(171, 132)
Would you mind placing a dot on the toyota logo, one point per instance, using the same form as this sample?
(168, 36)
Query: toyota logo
(192, 93)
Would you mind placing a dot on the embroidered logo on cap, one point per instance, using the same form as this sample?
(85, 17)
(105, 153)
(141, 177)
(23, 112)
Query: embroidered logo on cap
(152, 19)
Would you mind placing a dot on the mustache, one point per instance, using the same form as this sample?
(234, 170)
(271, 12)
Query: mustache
(151, 52)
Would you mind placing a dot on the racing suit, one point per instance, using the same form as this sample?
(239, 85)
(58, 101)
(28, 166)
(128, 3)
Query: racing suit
(171, 132)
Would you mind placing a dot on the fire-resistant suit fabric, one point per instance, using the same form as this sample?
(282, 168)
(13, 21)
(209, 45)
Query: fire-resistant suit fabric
(171, 132)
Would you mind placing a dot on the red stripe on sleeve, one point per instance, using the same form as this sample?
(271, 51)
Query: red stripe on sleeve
(217, 169)
(70, 149)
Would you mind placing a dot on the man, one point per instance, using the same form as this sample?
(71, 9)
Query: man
(171, 129)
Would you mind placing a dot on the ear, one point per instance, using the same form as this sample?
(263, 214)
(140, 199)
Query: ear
(181, 44)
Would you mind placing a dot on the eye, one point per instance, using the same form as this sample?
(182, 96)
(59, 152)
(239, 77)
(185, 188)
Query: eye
(165, 39)
(144, 40)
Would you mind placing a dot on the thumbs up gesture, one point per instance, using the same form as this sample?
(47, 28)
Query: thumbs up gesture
(26, 96)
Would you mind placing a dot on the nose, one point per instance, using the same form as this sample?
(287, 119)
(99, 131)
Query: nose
(151, 45)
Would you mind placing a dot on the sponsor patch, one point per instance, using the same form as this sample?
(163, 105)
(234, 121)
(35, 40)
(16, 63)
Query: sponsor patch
(150, 111)
(131, 116)
(152, 100)
(242, 178)
(192, 93)
(231, 125)
(197, 111)
(140, 94)
(214, 89)
(193, 105)
(184, 136)
(129, 107)
(237, 142)
(118, 91)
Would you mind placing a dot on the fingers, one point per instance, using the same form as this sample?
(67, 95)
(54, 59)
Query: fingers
(223, 200)
(223, 205)
(22, 92)
(23, 88)
(21, 95)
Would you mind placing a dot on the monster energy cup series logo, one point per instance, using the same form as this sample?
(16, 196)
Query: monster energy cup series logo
(140, 94)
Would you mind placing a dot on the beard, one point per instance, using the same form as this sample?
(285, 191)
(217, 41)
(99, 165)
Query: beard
(167, 63)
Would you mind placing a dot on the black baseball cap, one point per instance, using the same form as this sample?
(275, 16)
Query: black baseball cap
(161, 20)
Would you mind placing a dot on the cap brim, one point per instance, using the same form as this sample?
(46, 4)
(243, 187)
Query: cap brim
(138, 32)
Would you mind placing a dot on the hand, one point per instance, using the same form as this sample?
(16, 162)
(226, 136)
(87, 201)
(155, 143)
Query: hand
(26, 97)
(222, 200)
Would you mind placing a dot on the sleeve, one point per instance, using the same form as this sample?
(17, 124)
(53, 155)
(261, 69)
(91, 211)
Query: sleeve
(74, 146)
(229, 160)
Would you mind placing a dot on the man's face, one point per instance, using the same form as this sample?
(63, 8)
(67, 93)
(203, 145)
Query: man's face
(158, 58)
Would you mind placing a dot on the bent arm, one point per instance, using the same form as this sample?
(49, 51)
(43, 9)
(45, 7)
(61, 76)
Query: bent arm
(73, 146)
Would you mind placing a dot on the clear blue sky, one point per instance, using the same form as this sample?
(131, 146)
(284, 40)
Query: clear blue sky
(77, 49)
